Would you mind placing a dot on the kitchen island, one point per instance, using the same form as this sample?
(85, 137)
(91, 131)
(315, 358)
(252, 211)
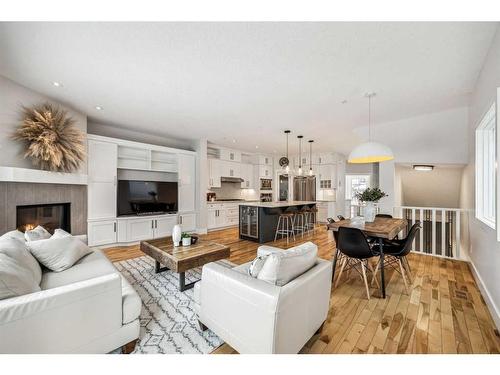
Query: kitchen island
(258, 220)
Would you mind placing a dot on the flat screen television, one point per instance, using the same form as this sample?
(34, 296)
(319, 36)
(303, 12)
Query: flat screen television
(146, 197)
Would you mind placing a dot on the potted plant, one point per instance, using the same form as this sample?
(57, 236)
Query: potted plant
(186, 239)
(370, 197)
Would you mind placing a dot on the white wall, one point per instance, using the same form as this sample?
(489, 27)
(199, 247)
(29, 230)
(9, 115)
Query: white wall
(437, 188)
(12, 97)
(138, 136)
(484, 249)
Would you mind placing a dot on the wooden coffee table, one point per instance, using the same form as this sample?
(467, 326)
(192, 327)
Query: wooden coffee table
(183, 258)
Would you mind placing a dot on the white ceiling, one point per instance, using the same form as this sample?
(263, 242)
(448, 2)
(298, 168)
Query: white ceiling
(248, 81)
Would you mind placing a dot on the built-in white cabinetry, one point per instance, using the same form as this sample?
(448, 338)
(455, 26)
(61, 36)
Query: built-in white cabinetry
(215, 172)
(222, 215)
(230, 155)
(248, 176)
(265, 171)
(231, 169)
(105, 157)
(187, 222)
(325, 210)
(264, 160)
(101, 232)
(187, 180)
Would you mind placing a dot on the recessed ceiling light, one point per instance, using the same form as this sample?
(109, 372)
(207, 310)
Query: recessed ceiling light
(99, 108)
(57, 84)
(256, 146)
(234, 140)
(423, 168)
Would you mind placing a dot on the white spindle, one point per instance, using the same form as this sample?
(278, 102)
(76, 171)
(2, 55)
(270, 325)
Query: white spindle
(434, 232)
(412, 223)
(443, 232)
(422, 232)
(457, 234)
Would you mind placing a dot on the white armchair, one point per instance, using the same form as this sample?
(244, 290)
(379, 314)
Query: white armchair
(254, 316)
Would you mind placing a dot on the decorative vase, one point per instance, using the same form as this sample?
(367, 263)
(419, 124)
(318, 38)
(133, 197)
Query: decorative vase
(186, 241)
(370, 212)
(176, 235)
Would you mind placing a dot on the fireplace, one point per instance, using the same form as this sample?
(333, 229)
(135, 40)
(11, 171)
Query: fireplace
(50, 216)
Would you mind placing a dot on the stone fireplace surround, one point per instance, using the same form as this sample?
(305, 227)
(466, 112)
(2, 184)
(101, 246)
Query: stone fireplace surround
(13, 194)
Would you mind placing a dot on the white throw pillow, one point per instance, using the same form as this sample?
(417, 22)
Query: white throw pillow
(15, 280)
(281, 268)
(17, 234)
(59, 254)
(18, 250)
(37, 234)
(60, 233)
(257, 265)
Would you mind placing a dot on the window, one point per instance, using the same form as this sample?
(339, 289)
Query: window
(486, 169)
(355, 184)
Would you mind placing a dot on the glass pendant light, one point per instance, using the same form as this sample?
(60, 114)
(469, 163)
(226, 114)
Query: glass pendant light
(299, 171)
(310, 157)
(370, 152)
(284, 161)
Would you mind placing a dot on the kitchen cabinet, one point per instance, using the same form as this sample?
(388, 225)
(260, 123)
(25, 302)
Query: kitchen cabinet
(186, 186)
(101, 232)
(187, 222)
(248, 176)
(231, 169)
(230, 155)
(265, 160)
(222, 215)
(215, 167)
(265, 171)
(325, 210)
(327, 176)
(326, 158)
(102, 179)
(216, 218)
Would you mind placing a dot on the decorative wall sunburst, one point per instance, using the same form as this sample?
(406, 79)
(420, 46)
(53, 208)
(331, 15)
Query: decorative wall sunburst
(52, 140)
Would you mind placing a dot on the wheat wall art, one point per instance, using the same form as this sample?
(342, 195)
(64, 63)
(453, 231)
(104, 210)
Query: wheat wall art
(52, 140)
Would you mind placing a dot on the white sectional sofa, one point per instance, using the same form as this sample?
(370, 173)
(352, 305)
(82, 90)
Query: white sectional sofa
(88, 308)
(255, 316)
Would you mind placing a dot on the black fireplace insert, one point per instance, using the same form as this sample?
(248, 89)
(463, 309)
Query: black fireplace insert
(50, 216)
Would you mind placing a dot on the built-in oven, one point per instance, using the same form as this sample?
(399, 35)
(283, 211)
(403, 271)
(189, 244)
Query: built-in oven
(249, 221)
(266, 184)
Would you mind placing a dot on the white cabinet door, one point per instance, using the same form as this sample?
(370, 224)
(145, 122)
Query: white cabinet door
(140, 229)
(231, 169)
(265, 171)
(212, 218)
(164, 225)
(102, 172)
(187, 222)
(186, 168)
(215, 172)
(230, 155)
(101, 232)
(247, 174)
(265, 160)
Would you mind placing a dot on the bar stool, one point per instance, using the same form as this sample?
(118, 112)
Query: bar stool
(285, 226)
(311, 219)
(300, 221)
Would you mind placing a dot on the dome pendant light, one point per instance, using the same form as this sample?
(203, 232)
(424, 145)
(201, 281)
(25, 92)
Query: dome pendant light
(299, 171)
(310, 157)
(370, 152)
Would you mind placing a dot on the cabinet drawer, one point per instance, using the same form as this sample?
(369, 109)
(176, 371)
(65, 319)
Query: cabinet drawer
(232, 220)
(232, 212)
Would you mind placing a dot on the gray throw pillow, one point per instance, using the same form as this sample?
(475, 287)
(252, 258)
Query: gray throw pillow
(15, 280)
(59, 254)
(19, 251)
(37, 234)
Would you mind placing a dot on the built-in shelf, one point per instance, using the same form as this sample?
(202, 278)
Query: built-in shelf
(12, 174)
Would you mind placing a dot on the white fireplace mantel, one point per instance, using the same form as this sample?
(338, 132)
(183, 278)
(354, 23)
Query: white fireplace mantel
(11, 174)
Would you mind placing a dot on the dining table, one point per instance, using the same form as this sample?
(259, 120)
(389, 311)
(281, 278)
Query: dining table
(381, 228)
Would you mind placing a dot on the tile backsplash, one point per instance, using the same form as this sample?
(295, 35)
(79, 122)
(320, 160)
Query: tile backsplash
(229, 190)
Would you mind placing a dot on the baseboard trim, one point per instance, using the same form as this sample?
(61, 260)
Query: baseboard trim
(494, 311)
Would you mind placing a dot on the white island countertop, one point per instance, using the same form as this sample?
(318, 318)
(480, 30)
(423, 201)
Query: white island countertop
(277, 204)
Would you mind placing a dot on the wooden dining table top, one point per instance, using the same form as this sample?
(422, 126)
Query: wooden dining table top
(382, 227)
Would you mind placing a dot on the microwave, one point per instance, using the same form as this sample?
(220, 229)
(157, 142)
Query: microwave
(266, 184)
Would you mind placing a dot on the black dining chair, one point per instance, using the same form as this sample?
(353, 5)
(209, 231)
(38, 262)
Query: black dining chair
(387, 216)
(352, 243)
(395, 255)
(340, 217)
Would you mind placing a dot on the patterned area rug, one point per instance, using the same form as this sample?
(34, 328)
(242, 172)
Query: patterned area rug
(168, 320)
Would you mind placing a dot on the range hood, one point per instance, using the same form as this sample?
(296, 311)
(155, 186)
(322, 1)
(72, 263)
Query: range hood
(231, 179)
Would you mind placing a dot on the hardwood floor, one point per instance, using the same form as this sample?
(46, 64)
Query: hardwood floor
(443, 313)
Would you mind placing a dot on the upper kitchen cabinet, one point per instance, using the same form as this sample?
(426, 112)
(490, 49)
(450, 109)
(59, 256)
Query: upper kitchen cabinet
(325, 158)
(215, 167)
(186, 175)
(265, 171)
(264, 160)
(248, 176)
(230, 155)
(231, 169)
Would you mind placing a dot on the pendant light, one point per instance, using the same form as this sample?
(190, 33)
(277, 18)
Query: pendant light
(310, 157)
(284, 161)
(370, 152)
(299, 171)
